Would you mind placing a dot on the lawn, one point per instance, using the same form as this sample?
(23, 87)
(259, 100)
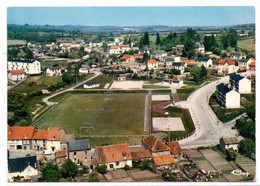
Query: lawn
(102, 79)
(184, 93)
(107, 114)
(185, 117)
(49, 63)
(37, 83)
(154, 87)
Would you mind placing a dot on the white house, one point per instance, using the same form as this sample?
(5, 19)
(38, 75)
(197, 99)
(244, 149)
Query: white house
(174, 82)
(207, 62)
(159, 54)
(114, 156)
(55, 70)
(226, 66)
(16, 75)
(240, 83)
(114, 50)
(237, 55)
(227, 97)
(228, 143)
(179, 66)
(39, 140)
(28, 66)
(53, 139)
(200, 48)
(96, 43)
(152, 64)
(23, 167)
(83, 70)
(88, 49)
(91, 84)
(155, 146)
(124, 48)
(244, 63)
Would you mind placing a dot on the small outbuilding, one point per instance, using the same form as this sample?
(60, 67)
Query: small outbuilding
(92, 84)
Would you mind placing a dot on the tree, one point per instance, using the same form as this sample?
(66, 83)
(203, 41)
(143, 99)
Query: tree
(69, 169)
(196, 73)
(203, 71)
(145, 57)
(231, 155)
(102, 169)
(93, 177)
(67, 78)
(17, 103)
(146, 40)
(247, 147)
(50, 173)
(158, 40)
(145, 164)
(141, 43)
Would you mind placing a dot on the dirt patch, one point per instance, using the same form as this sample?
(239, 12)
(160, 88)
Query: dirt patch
(37, 108)
(143, 175)
(108, 99)
(34, 78)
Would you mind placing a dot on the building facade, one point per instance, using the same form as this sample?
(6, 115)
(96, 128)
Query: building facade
(28, 66)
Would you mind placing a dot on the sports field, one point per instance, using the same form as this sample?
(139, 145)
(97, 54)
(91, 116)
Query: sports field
(98, 114)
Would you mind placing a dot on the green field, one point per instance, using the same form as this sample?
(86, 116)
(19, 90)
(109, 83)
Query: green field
(247, 44)
(154, 87)
(98, 114)
(102, 79)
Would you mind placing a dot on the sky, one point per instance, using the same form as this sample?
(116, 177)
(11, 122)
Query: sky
(132, 16)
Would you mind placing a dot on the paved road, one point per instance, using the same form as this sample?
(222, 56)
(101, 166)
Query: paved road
(69, 89)
(208, 128)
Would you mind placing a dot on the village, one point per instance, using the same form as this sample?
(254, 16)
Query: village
(132, 106)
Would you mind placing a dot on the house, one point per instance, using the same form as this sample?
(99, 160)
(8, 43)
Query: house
(179, 66)
(79, 151)
(124, 48)
(114, 50)
(60, 157)
(243, 63)
(174, 82)
(159, 54)
(114, 156)
(91, 84)
(127, 58)
(165, 161)
(96, 43)
(226, 66)
(98, 49)
(240, 83)
(227, 97)
(53, 138)
(190, 62)
(65, 139)
(16, 75)
(152, 64)
(20, 138)
(228, 143)
(175, 148)
(28, 66)
(140, 155)
(169, 60)
(199, 48)
(252, 66)
(84, 70)
(155, 146)
(139, 56)
(88, 49)
(122, 77)
(207, 62)
(237, 55)
(55, 70)
(178, 49)
(39, 140)
(23, 167)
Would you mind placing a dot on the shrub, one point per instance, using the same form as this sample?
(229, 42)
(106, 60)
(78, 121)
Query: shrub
(102, 169)
(126, 167)
(93, 177)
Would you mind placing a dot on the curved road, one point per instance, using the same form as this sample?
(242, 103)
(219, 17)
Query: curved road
(208, 128)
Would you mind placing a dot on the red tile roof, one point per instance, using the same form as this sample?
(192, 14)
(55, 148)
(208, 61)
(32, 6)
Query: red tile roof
(166, 159)
(64, 41)
(229, 61)
(54, 134)
(15, 72)
(140, 154)
(152, 61)
(124, 46)
(252, 63)
(125, 57)
(114, 47)
(19, 133)
(175, 147)
(139, 55)
(190, 62)
(154, 144)
(89, 47)
(113, 153)
(60, 154)
(40, 134)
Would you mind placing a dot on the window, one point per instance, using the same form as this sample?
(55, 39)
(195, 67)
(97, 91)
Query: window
(111, 166)
(75, 153)
(117, 163)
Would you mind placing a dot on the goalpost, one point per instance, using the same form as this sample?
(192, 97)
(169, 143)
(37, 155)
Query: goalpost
(87, 128)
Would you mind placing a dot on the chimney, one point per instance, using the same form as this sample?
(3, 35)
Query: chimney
(25, 136)
(124, 155)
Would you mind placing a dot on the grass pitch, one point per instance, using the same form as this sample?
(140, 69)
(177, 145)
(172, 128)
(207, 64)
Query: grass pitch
(98, 114)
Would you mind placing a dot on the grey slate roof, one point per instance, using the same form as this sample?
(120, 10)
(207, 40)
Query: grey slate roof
(243, 60)
(67, 138)
(79, 145)
(19, 164)
(21, 61)
(178, 64)
(223, 88)
(235, 76)
(91, 83)
(202, 59)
